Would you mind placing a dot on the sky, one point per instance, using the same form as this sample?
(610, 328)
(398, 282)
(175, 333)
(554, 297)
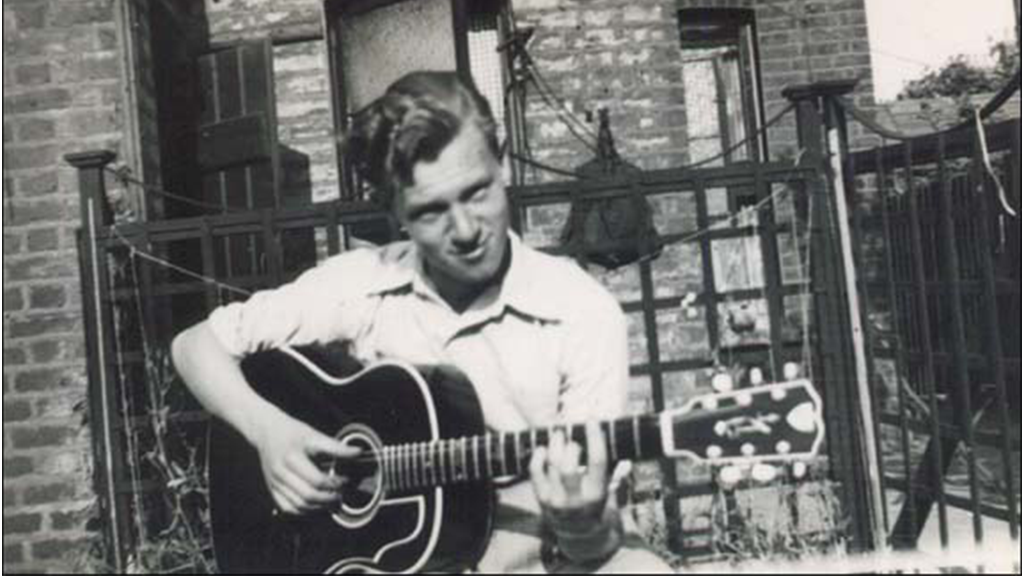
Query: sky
(909, 36)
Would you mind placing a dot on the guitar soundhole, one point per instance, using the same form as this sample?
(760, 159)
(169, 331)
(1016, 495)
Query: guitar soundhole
(363, 486)
(361, 476)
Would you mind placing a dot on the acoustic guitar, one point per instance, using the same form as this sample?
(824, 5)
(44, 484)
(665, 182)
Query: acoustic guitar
(421, 496)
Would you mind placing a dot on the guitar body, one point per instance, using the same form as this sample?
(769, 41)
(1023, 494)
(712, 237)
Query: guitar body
(373, 529)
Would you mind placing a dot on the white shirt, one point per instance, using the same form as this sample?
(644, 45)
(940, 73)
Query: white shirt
(548, 345)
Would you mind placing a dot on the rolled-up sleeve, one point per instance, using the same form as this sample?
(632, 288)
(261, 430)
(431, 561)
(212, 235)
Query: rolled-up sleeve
(320, 306)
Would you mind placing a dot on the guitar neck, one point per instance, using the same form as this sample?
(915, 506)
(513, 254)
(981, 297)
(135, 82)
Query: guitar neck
(480, 458)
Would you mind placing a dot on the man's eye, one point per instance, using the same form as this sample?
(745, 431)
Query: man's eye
(428, 213)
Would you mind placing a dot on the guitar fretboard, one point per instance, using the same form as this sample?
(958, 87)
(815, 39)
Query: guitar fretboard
(500, 455)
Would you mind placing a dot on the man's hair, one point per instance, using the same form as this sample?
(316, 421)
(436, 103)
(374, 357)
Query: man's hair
(415, 119)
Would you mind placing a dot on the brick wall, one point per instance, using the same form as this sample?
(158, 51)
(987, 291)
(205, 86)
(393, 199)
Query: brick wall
(61, 94)
(625, 56)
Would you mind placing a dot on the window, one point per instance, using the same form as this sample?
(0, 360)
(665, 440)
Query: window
(720, 77)
(374, 42)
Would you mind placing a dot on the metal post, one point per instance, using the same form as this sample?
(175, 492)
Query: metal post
(840, 344)
(1016, 11)
(96, 213)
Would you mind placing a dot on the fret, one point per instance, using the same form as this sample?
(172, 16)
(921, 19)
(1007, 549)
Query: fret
(636, 438)
(518, 452)
(476, 457)
(418, 471)
(533, 442)
(443, 448)
(410, 479)
(460, 471)
(385, 468)
(488, 460)
(408, 464)
(612, 443)
(400, 465)
(430, 474)
(503, 465)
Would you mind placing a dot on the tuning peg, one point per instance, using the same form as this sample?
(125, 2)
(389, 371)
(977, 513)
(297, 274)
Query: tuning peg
(722, 383)
(756, 377)
(799, 470)
(730, 477)
(791, 371)
(764, 473)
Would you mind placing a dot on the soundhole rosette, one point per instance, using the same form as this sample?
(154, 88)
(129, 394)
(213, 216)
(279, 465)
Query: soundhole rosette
(363, 489)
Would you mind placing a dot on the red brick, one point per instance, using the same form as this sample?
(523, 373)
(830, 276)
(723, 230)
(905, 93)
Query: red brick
(89, 69)
(17, 466)
(41, 380)
(37, 325)
(36, 211)
(47, 296)
(92, 123)
(28, 16)
(13, 299)
(69, 520)
(45, 352)
(42, 239)
(16, 411)
(32, 74)
(108, 38)
(22, 524)
(13, 554)
(48, 494)
(39, 100)
(30, 157)
(39, 184)
(86, 12)
(12, 243)
(14, 357)
(39, 437)
(41, 267)
(36, 129)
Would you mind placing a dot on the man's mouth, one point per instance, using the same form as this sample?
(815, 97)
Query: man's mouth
(475, 255)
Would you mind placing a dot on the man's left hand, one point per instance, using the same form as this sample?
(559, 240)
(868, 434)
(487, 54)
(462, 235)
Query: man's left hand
(574, 498)
(569, 490)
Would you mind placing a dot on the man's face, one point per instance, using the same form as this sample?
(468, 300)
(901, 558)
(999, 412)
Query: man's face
(457, 213)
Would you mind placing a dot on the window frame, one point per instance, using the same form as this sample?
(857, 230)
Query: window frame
(734, 20)
(334, 11)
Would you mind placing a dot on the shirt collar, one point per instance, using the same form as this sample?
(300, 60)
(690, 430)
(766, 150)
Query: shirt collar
(518, 290)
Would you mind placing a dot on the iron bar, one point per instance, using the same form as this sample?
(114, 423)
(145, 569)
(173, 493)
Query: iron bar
(924, 325)
(951, 257)
(895, 312)
(995, 348)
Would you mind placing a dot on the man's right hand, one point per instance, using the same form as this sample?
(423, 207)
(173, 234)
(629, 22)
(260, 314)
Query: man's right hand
(289, 450)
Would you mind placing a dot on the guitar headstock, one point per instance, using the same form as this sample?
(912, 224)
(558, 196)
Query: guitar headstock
(768, 423)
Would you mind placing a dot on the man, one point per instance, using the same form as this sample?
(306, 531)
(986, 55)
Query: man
(542, 342)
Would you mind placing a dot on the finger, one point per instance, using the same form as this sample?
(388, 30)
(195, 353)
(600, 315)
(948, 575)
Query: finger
(556, 454)
(597, 452)
(538, 476)
(318, 444)
(312, 475)
(309, 496)
(283, 505)
(289, 502)
(570, 464)
(553, 470)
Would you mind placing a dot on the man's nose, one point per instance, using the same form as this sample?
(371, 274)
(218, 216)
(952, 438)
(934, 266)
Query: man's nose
(465, 229)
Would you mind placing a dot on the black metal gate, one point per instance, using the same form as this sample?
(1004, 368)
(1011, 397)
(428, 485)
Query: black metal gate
(939, 264)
